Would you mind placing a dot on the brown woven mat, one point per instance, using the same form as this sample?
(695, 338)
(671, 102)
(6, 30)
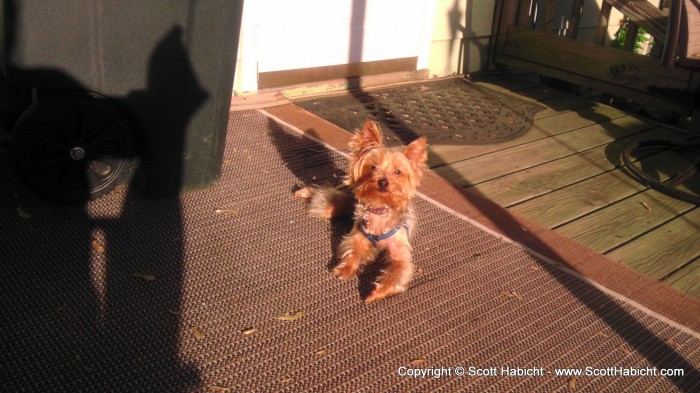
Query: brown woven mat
(447, 111)
(127, 294)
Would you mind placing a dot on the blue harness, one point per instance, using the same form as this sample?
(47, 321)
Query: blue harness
(374, 239)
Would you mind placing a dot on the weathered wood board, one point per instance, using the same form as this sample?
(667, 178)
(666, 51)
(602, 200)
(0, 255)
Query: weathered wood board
(487, 167)
(566, 174)
(661, 252)
(578, 199)
(619, 72)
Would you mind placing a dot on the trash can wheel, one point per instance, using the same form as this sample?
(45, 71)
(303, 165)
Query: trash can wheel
(73, 148)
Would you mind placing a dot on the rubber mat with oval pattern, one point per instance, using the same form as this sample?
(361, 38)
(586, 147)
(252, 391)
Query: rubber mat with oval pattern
(448, 111)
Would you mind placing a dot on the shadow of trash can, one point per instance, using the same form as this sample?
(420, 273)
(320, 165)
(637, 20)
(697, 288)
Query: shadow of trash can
(115, 82)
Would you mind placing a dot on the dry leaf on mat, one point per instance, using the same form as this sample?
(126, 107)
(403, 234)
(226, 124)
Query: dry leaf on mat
(418, 361)
(226, 211)
(249, 331)
(512, 295)
(290, 316)
(197, 333)
(97, 246)
(219, 388)
(321, 353)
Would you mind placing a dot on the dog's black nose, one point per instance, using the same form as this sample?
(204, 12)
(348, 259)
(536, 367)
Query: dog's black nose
(383, 183)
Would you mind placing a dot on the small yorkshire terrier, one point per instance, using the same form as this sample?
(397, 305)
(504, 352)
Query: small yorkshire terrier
(377, 191)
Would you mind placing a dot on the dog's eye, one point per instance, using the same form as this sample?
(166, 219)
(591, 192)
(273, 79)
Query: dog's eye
(373, 166)
(398, 172)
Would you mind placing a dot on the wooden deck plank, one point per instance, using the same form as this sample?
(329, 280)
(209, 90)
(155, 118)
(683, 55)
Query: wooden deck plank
(686, 279)
(570, 103)
(570, 203)
(539, 93)
(483, 168)
(441, 154)
(534, 93)
(583, 116)
(520, 186)
(556, 101)
(658, 253)
(622, 222)
(570, 151)
(533, 182)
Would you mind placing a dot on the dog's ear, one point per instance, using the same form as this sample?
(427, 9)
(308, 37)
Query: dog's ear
(368, 137)
(417, 151)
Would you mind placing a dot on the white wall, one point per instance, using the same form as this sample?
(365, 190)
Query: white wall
(448, 36)
(460, 38)
(285, 35)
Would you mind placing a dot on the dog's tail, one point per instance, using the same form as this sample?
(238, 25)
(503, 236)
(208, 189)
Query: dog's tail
(328, 202)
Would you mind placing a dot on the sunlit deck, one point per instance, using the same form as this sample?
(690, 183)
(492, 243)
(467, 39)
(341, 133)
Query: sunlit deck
(566, 174)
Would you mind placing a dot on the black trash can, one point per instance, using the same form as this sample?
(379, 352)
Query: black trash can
(121, 80)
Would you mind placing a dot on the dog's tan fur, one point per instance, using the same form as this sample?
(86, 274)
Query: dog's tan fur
(376, 192)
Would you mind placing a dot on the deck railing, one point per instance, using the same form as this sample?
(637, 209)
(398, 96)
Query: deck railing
(526, 35)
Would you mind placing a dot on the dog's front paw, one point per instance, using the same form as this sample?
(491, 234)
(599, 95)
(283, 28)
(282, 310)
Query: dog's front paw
(304, 194)
(345, 271)
(382, 292)
(393, 281)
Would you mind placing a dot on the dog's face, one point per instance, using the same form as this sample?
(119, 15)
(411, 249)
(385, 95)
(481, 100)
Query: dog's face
(382, 176)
